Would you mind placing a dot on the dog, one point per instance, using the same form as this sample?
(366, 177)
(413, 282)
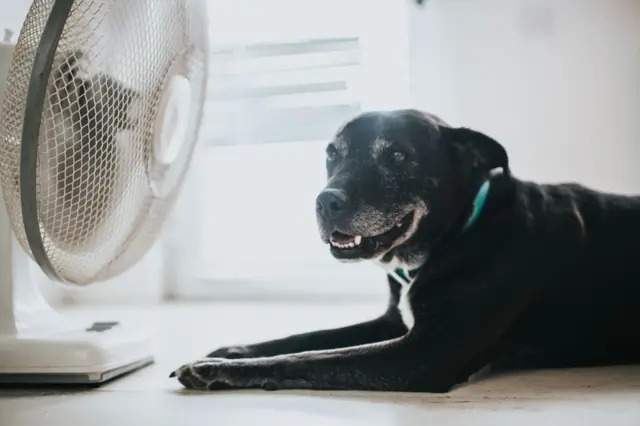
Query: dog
(486, 272)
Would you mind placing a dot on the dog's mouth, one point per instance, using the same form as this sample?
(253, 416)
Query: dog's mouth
(345, 246)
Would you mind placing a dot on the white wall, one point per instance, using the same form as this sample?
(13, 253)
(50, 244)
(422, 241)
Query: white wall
(12, 14)
(556, 81)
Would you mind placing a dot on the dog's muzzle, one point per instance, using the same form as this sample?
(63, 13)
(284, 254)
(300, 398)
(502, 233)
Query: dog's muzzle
(332, 208)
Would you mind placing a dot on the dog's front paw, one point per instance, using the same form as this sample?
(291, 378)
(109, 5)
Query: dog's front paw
(202, 374)
(232, 352)
(220, 373)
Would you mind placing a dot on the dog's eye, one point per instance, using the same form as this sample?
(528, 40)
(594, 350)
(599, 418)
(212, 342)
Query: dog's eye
(399, 156)
(332, 153)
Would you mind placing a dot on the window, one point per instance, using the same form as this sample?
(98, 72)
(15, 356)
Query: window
(295, 91)
(283, 76)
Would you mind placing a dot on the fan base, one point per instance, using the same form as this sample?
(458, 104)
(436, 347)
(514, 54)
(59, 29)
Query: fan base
(84, 356)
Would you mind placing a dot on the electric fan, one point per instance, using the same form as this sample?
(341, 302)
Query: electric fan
(100, 114)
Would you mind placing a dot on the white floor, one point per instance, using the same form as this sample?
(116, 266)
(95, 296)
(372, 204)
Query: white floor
(609, 396)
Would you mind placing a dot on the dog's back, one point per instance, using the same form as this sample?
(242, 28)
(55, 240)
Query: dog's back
(584, 252)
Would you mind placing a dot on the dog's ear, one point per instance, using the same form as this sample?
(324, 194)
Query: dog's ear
(476, 149)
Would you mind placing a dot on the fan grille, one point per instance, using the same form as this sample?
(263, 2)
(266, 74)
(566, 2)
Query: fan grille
(97, 208)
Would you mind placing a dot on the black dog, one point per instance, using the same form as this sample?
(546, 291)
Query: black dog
(485, 270)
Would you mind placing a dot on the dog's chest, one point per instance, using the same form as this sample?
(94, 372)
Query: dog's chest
(405, 276)
(404, 306)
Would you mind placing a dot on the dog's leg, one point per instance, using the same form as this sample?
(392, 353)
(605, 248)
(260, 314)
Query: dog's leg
(458, 326)
(394, 365)
(385, 327)
(404, 364)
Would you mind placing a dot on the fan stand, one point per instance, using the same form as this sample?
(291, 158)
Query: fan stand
(39, 346)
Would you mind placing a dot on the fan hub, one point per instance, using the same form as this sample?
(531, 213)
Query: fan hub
(172, 120)
(171, 131)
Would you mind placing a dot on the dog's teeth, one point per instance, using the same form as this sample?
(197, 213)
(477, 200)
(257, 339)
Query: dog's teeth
(399, 225)
(352, 244)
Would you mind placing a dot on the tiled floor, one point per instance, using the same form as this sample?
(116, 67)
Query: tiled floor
(608, 396)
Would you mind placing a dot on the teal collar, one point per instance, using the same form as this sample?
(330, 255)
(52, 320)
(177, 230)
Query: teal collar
(407, 276)
(478, 204)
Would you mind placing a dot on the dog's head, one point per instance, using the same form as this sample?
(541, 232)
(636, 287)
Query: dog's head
(398, 181)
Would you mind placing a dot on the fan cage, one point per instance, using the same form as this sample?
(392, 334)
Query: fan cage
(77, 161)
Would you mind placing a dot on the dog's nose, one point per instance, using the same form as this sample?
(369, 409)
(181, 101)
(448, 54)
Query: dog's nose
(331, 203)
